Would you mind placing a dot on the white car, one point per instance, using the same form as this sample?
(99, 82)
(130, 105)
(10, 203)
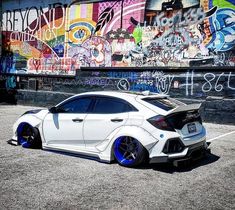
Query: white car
(128, 127)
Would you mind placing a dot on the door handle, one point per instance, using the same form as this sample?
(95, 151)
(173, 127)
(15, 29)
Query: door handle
(77, 120)
(116, 120)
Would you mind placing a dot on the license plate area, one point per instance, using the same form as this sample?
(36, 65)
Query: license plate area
(192, 128)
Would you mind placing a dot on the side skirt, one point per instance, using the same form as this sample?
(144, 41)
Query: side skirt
(80, 154)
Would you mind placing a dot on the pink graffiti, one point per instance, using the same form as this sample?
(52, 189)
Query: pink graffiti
(67, 65)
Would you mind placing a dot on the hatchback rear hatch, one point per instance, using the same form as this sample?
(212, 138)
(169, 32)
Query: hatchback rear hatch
(173, 115)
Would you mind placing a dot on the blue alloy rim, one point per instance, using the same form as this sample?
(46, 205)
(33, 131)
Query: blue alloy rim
(126, 150)
(24, 140)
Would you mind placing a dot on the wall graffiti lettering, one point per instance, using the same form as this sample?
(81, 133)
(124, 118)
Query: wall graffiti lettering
(160, 82)
(230, 83)
(123, 84)
(180, 18)
(20, 19)
(213, 82)
(189, 84)
(58, 65)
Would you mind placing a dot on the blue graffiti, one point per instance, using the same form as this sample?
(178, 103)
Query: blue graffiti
(8, 63)
(224, 26)
(131, 76)
(231, 1)
(59, 49)
(10, 82)
(144, 87)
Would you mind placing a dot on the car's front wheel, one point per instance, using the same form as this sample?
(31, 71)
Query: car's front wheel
(28, 136)
(129, 151)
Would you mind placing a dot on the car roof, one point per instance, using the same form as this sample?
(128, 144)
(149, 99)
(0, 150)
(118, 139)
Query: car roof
(125, 94)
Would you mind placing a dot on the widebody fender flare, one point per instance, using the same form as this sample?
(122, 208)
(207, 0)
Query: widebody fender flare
(29, 119)
(144, 137)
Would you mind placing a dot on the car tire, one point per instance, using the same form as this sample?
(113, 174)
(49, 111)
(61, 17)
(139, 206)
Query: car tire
(129, 152)
(28, 136)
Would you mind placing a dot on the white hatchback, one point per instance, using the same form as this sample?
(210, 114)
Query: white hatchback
(128, 127)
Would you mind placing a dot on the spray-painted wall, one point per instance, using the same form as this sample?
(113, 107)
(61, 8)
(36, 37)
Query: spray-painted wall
(60, 36)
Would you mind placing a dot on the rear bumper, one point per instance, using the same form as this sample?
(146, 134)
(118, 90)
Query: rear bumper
(192, 152)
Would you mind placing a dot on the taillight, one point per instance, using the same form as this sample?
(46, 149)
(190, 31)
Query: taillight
(160, 122)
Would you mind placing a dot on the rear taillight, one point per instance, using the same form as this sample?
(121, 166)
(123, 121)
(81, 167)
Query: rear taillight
(160, 122)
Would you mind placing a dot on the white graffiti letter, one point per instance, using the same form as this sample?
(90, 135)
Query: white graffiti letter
(208, 82)
(232, 88)
(220, 87)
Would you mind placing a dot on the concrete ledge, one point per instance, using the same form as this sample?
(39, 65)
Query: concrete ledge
(215, 109)
(219, 110)
(41, 98)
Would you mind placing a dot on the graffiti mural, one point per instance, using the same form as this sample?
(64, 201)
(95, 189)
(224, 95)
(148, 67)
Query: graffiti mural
(61, 36)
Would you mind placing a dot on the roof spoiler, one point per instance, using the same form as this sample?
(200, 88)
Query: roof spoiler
(190, 107)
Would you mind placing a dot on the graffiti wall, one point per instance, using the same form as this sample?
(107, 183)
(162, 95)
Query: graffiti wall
(188, 84)
(61, 36)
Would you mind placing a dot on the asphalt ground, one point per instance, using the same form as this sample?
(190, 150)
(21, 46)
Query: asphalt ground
(37, 179)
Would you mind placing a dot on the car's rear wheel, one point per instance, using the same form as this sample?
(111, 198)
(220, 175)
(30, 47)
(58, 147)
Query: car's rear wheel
(28, 136)
(129, 151)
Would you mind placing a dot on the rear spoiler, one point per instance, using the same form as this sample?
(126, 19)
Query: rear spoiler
(185, 108)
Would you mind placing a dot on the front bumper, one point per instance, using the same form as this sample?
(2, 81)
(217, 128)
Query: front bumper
(192, 152)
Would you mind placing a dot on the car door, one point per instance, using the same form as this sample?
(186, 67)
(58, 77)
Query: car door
(107, 115)
(65, 126)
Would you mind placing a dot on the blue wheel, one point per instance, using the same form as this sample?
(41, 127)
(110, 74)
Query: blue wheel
(129, 152)
(28, 136)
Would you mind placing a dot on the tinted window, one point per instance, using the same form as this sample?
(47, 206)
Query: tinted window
(110, 105)
(162, 103)
(75, 106)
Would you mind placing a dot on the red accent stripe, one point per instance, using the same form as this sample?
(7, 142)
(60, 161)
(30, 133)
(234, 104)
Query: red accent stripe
(95, 12)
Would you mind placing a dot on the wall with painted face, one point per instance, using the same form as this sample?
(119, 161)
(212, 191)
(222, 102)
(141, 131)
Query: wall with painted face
(60, 36)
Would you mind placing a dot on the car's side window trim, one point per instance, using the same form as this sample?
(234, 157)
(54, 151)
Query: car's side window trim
(94, 98)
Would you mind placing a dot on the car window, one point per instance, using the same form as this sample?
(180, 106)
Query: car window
(111, 105)
(163, 103)
(80, 105)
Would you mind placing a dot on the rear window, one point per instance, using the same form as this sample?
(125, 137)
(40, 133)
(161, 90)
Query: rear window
(162, 103)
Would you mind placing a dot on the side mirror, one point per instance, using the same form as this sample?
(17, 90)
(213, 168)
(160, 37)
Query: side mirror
(53, 110)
